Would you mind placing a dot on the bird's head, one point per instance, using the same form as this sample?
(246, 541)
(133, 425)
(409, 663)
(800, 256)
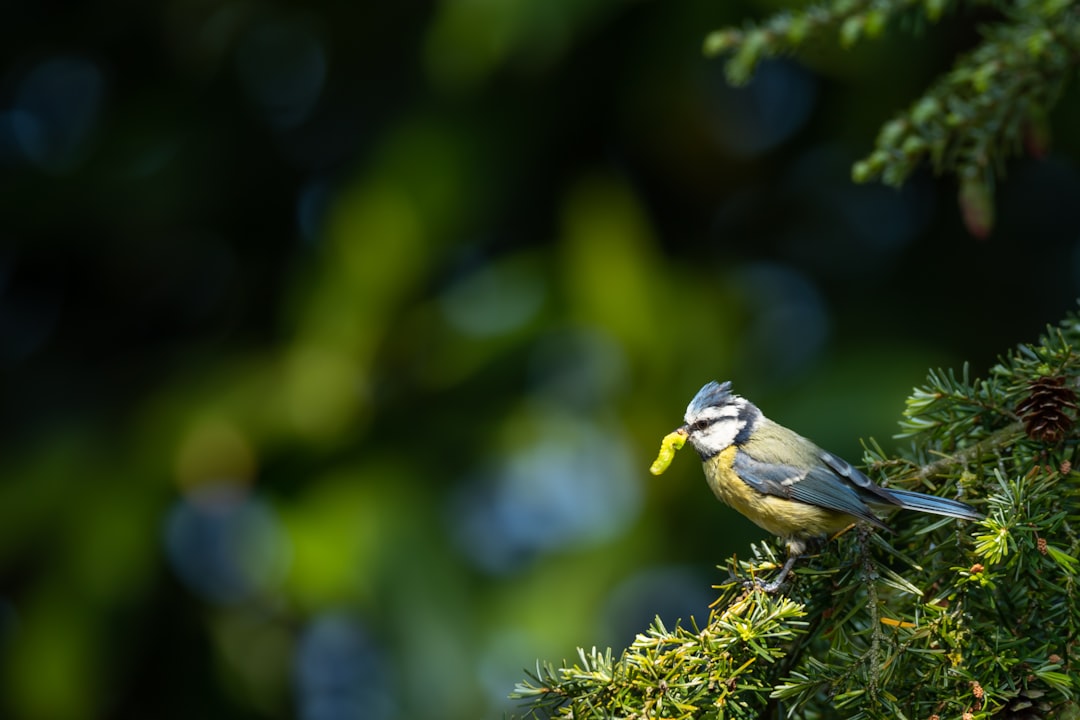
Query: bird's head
(716, 418)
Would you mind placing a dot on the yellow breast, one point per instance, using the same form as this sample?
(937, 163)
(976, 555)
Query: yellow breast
(780, 516)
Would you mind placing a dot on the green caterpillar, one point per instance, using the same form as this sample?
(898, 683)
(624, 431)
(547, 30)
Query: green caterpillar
(671, 442)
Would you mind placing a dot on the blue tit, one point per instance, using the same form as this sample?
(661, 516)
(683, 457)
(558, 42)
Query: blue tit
(785, 483)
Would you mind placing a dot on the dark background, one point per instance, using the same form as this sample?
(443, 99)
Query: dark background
(337, 338)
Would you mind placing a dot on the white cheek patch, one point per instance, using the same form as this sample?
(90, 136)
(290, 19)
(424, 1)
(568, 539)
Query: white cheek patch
(722, 433)
(723, 423)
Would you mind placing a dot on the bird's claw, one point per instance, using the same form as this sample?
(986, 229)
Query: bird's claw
(759, 584)
(766, 587)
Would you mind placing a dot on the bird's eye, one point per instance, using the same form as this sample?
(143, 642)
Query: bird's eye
(701, 424)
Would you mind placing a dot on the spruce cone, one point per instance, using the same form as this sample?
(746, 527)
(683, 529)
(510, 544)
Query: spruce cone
(1045, 411)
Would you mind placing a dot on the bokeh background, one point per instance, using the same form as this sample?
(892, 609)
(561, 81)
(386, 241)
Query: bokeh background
(336, 338)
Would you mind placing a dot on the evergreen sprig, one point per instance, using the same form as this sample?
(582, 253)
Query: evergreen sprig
(940, 618)
(992, 104)
(678, 673)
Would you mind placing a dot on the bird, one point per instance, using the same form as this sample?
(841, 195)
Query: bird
(782, 481)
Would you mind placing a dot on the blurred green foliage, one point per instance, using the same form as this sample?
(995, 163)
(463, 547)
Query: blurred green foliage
(337, 340)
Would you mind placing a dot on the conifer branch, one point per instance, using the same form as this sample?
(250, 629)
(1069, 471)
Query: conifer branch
(991, 106)
(941, 618)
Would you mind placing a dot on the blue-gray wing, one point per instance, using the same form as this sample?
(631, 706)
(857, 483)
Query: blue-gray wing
(901, 498)
(853, 475)
(821, 485)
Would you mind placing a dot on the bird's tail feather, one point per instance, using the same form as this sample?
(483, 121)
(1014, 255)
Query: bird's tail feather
(936, 505)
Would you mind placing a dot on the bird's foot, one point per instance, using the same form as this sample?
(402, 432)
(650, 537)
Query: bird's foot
(776, 583)
(766, 587)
